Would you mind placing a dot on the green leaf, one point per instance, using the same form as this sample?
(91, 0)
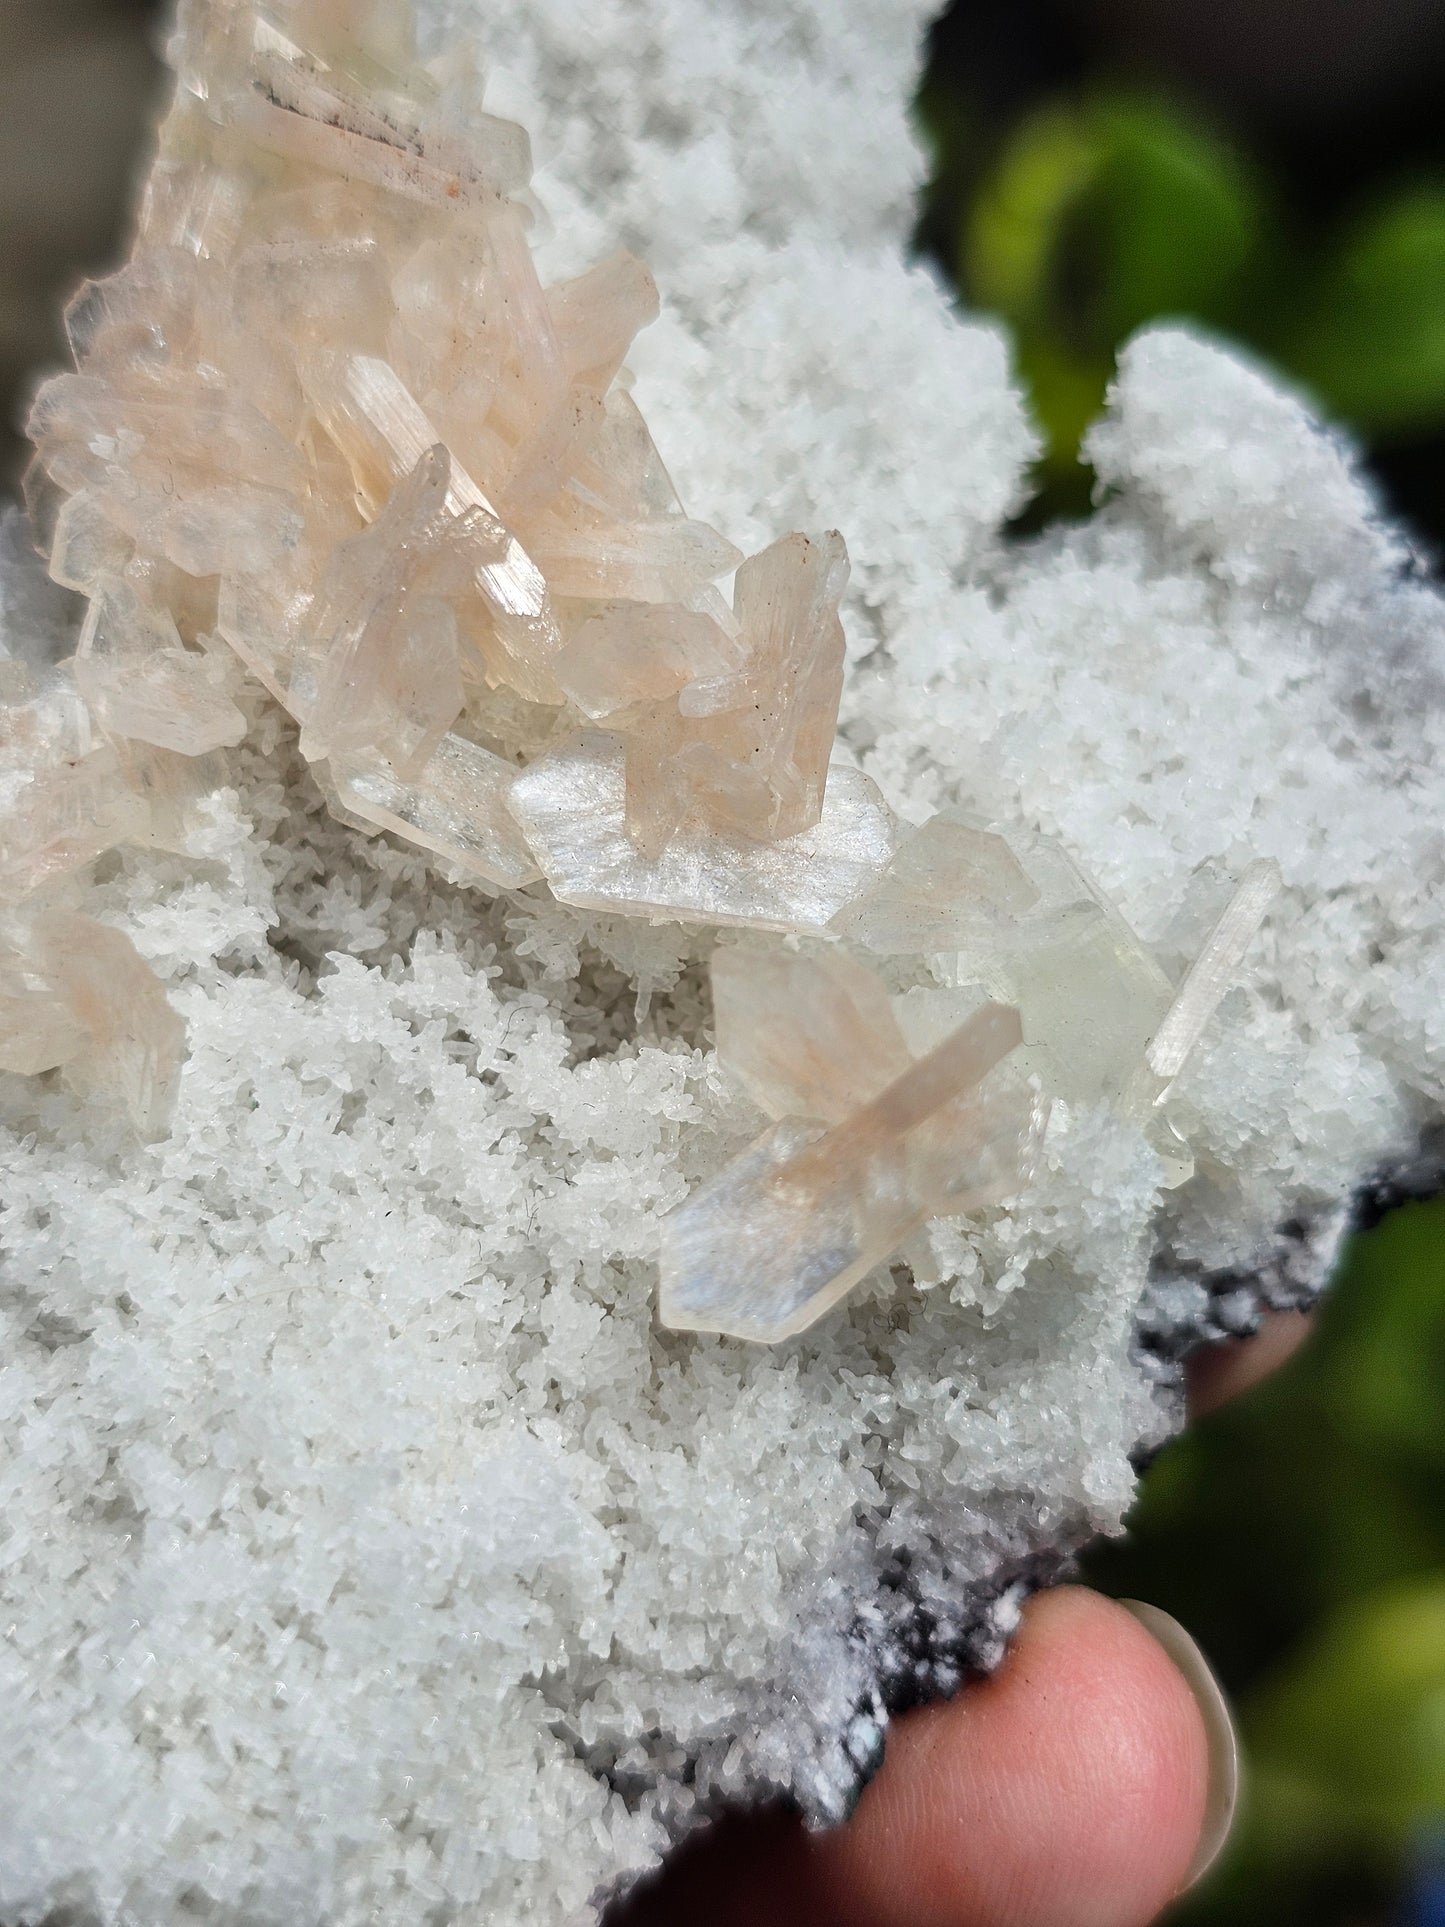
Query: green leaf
(1371, 342)
(1095, 218)
(1067, 393)
(1354, 1726)
(1381, 1350)
(1010, 238)
(1176, 218)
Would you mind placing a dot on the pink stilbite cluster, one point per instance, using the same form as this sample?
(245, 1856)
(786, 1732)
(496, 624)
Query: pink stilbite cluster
(329, 433)
(330, 419)
(869, 1144)
(891, 1108)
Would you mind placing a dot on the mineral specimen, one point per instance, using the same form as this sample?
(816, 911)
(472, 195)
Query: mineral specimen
(425, 491)
(330, 406)
(572, 806)
(329, 417)
(805, 1036)
(368, 1549)
(806, 1212)
(74, 993)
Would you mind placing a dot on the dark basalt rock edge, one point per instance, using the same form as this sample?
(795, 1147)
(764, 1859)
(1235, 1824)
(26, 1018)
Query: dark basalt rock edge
(927, 1656)
(915, 1651)
(1184, 1308)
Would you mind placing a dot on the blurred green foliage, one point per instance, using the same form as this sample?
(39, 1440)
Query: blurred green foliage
(1091, 213)
(1369, 334)
(1300, 1534)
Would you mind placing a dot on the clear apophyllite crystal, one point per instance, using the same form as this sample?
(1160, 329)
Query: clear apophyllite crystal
(952, 884)
(1010, 909)
(1015, 912)
(892, 1110)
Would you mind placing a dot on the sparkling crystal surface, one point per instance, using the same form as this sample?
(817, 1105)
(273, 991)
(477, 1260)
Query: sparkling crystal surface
(330, 415)
(952, 885)
(787, 1228)
(1214, 971)
(806, 1037)
(572, 808)
(457, 806)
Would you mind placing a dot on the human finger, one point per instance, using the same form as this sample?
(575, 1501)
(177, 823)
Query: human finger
(1215, 1374)
(1069, 1790)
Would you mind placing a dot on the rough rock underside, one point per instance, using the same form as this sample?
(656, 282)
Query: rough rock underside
(440, 914)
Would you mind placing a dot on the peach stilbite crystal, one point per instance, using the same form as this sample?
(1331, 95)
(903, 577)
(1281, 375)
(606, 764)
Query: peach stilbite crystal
(66, 797)
(809, 1037)
(572, 808)
(456, 808)
(328, 431)
(142, 683)
(786, 1229)
(74, 993)
(749, 750)
(331, 400)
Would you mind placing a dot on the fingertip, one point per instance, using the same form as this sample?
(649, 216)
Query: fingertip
(1069, 1790)
(1218, 1373)
(1223, 1740)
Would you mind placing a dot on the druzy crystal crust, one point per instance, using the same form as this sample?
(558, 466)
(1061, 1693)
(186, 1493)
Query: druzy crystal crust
(331, 442)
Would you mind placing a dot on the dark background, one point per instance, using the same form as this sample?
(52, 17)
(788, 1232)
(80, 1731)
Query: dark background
(1272, 168)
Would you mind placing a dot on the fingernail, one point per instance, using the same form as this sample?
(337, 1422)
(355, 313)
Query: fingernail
(1224, 1768)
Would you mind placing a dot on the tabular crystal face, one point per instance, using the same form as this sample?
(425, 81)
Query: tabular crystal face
(1009, 908)
(330, 417)
(786, 1229)
(458, 807)
(572, 807)
(805, 1036)
(748, 750)
(890, 1111)
(952, 885)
